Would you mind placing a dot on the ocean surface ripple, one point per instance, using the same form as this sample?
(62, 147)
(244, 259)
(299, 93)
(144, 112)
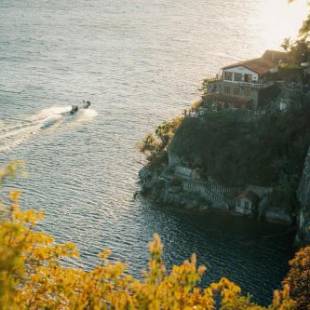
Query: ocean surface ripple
(139, 62)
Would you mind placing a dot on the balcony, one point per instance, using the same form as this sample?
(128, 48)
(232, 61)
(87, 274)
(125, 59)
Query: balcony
(212, 80)
(253, 84)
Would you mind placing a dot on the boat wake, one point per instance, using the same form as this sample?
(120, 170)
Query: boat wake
(14, 131)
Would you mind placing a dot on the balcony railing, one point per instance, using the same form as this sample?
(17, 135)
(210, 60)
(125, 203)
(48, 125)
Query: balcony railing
(253, 84)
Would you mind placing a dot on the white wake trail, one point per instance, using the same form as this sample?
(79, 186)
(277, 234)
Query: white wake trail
(13, 135)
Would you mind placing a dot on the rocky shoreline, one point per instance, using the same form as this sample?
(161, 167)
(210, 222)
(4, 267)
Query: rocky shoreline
(182, 187)
(173, 181)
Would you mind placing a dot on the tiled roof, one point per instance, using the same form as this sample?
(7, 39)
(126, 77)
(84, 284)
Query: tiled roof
(258, 65)
(261, 65)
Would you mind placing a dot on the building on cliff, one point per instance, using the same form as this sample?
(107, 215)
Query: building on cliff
(244, 84)
(246, 203)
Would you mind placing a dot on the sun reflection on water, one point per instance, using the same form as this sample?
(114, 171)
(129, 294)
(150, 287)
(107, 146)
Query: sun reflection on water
(278, 20)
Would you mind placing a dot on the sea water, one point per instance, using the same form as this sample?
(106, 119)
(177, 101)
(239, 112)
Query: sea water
(139, 63)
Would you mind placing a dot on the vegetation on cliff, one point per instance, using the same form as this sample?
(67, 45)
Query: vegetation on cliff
(235, 151)
(33, 277)
(268, 150)
(154, 145)
(299, 48)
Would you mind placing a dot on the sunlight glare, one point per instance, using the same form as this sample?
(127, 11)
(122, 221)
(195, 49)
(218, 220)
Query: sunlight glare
(281, 20)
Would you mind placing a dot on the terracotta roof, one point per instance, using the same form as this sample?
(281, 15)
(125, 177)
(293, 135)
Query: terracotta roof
(261, 65)
(258, 65)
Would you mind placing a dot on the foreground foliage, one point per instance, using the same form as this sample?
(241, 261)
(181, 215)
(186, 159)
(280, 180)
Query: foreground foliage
(298, 278)
(33, 277)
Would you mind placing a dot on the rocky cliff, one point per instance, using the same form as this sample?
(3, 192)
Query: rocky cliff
(246, 162)
(178, 185)
(303, 196)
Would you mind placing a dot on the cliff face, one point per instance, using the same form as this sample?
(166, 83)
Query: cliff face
(303, 196)
(175, 183)
(246, 162)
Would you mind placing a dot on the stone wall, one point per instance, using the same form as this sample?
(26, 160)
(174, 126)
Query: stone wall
(213, 193)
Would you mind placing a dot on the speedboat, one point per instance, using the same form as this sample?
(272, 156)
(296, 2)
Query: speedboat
(75, 108)
(54, 118)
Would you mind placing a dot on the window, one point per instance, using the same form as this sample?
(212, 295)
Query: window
(236, 91)
(238, 77)
(212, 88)
(248, 78)
(247, 206)
(228, 76)
(247, 91)
(227, 90)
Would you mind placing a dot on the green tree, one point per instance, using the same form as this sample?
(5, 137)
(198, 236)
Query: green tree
(299, 48)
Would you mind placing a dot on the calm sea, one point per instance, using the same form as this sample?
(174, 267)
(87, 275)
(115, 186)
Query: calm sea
(140, 62)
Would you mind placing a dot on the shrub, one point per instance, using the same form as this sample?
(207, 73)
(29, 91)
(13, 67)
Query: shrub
(153, 145)
(236, 152)
(298, 279)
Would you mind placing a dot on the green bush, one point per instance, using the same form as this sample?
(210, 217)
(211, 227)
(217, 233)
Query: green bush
(235, 152)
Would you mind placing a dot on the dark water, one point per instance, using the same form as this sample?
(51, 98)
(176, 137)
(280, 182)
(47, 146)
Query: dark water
(139, 62)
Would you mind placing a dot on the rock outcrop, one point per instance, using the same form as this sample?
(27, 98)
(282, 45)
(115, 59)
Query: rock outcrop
(303, 196)
(183, 187)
